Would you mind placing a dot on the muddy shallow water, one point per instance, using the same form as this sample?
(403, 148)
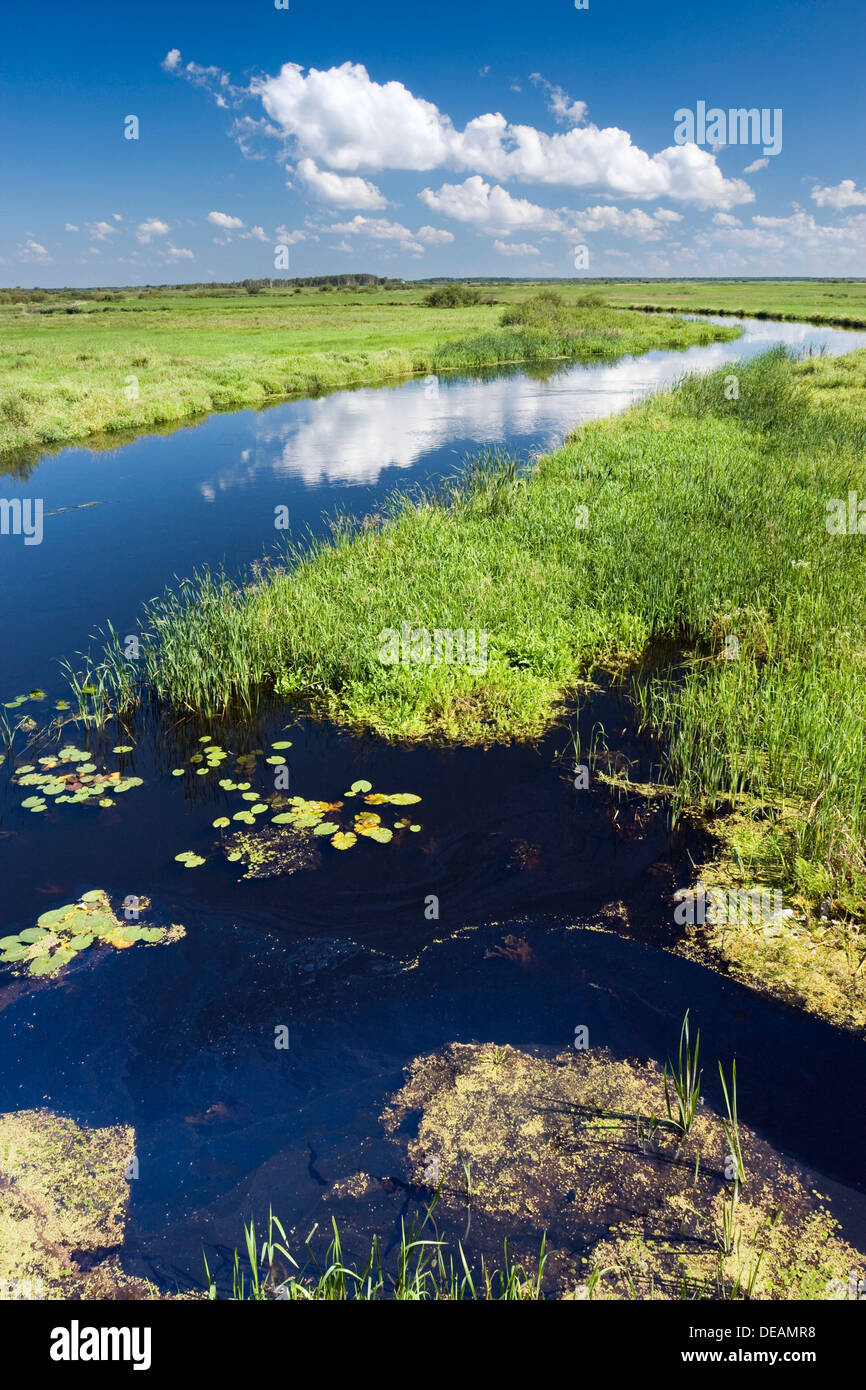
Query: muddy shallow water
(178, 1040)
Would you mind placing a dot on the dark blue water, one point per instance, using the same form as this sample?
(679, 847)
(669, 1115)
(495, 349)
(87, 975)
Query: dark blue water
(177, 1040)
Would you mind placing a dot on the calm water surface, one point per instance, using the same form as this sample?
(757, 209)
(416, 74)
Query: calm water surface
(177, 1041)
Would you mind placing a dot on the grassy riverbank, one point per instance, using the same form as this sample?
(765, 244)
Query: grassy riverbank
(841, 302)
(73, 368)
(699, 519)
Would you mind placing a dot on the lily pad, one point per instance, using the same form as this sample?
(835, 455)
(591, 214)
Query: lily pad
(221, 822)
(44, 965)
(52, 918)
(343, 839)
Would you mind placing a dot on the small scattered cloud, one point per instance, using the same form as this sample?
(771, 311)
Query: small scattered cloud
(100, 231)
(282, 234)
(434, 236)
(559, 102)
(643, 226)
(516, 248)
(146, 231)
(841, 195)
(378, 229)
(756, 166)
(31, 250)
(71, 227)
(225, 220)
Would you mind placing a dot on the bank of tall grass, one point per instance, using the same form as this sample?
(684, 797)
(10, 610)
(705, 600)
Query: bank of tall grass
(138, 364)
(689, 521)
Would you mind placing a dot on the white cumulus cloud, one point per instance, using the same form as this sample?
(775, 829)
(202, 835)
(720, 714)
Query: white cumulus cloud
(99, 231)
(840, 195)
(341, 118)
(489, 207)
(146, 231)
(340, 190)
(434, 236)
(516, 248)
(223, 219)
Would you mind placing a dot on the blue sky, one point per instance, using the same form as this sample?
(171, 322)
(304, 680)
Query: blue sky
(460, 139)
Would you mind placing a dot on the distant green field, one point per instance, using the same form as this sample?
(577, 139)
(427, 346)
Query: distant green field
(822, 301)
(71, 368)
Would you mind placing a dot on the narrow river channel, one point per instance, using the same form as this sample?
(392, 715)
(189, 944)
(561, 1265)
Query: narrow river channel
(178, 1041)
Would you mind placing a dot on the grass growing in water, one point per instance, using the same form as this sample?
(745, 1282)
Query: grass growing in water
(424, 1271)
(705, 520)
(686, 1081)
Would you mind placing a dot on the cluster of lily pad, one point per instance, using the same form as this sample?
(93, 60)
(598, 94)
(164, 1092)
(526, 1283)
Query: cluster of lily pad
(319, 817)
(211, 757)
(315, 816)
(61, 934)
(70, 776)
(296, 812)
(23, 699)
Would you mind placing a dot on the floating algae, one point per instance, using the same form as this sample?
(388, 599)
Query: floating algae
(63, 1204)
(577, 1144)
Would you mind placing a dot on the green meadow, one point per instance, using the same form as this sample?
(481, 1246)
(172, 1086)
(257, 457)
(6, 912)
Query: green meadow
(681, 549)
(639, 548)
(74, 367)
(841, 302)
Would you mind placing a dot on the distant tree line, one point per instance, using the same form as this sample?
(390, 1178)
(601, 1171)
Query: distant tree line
(363, 281)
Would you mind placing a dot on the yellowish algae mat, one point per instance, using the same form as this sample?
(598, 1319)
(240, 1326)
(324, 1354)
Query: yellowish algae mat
(63, 1203)
(576, 1144)
(814, 959)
